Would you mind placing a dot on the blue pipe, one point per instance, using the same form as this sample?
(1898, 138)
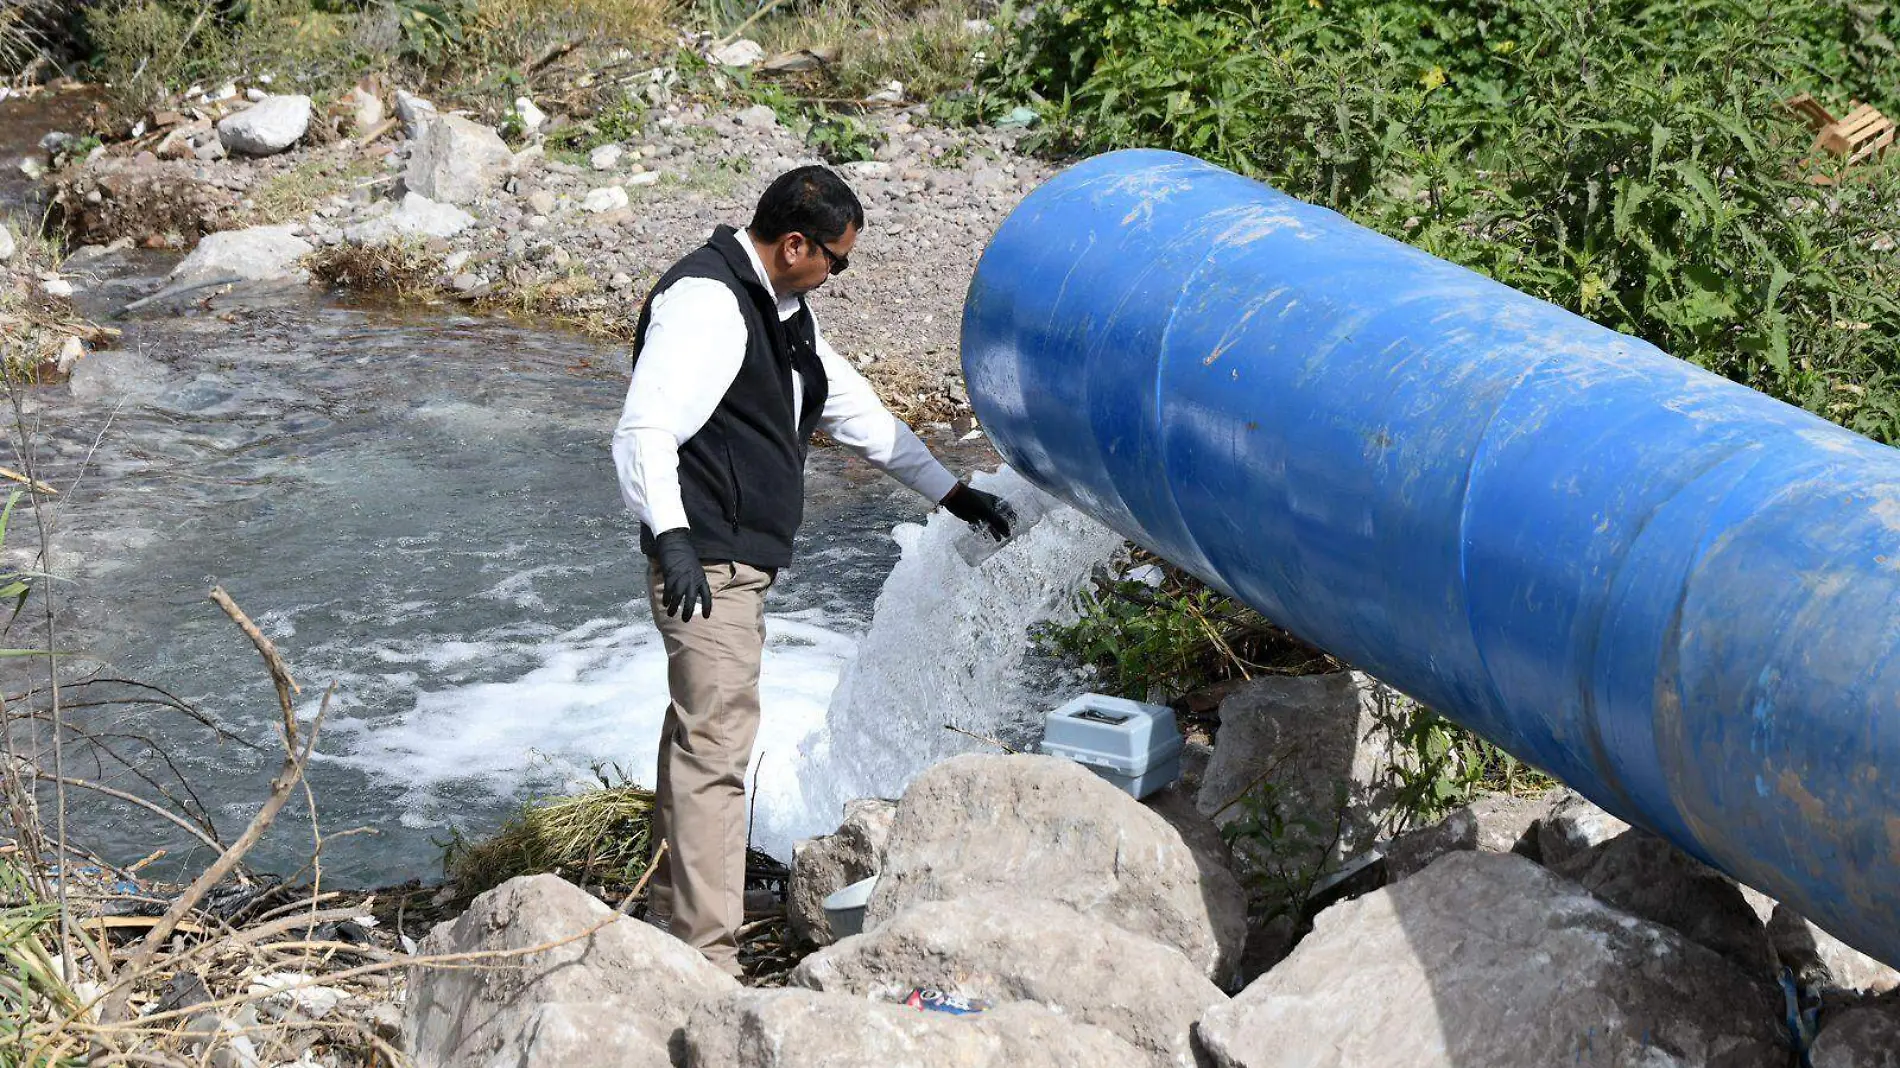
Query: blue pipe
(1680, 596)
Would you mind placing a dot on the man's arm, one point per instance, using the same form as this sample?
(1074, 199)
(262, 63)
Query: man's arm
(694, 347)
(856, 419)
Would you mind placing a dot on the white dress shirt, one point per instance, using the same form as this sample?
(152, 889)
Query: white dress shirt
(695, 345)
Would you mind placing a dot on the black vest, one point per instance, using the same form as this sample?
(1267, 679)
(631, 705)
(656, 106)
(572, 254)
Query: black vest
(742, 476)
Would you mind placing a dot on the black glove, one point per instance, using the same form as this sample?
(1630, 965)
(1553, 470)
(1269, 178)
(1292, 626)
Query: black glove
(684, 578)
(983, 511)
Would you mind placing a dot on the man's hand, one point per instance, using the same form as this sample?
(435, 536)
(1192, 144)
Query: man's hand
(684, 579)
(984, 511)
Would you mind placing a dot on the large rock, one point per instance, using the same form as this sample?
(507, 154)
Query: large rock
(257, 254)
(1313, 758)
(626, 987)
(1044, 827)
(1867, 1036)
(824, 865)
(1574, 825)
(267, 127)
(1495, 824)
(417, 215)
(1822, 962)
(1646, 876)
(1007, 948)
(455, 161)
(806, 1029)
(1486, 960)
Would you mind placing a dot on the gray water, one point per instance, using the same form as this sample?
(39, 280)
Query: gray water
(419, 508)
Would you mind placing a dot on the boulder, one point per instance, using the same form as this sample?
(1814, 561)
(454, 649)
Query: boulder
(257, 254)
(1005, 948)
(267, 127)
(1574, 825)
(1312, 757)
(417, 215)
(455, 160)
(1496, 824)
(1866, 1036)
(806, 1029)
(824, 865)
(1822, 962)
(1646, 876)
(1486, 960)
(1045, 827)
(622, 985)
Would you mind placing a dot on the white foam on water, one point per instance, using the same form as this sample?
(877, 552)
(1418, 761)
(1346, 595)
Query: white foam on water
(595, 694)
(522, 710)
(947, 645)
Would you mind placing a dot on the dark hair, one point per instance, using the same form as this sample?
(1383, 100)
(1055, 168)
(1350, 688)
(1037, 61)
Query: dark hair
(806, 200)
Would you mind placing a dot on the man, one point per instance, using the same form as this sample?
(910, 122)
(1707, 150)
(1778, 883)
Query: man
(731, 377)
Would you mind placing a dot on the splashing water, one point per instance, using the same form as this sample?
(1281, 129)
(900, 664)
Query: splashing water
(948, 646)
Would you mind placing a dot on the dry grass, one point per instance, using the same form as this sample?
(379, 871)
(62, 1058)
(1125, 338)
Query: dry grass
(297, 192)
(599, 836)
(525, 29)
(928, 50)
(401, 268)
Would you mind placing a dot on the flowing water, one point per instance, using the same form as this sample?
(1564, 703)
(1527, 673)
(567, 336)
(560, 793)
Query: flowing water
(419, 508)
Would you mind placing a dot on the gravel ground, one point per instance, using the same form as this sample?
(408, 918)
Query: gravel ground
(933, 196)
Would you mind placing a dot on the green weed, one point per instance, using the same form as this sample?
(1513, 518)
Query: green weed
(1626, 160)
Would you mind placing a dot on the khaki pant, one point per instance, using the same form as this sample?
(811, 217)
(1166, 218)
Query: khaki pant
(712, 672)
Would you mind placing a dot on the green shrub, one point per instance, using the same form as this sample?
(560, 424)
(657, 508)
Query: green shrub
(1626, 160)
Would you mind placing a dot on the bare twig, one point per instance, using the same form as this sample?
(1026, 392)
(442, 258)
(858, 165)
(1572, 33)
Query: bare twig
(281, 788)
(279, 674)
(32, 483)
(981, 738)
(130, 799)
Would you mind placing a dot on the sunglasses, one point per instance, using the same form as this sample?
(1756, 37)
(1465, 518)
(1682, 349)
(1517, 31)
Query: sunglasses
(839, 264)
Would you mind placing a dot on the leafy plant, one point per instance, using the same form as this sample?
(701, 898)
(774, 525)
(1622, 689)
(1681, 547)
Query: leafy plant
(1628, 159)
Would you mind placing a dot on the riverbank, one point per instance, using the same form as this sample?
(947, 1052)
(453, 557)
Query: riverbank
(573, 228)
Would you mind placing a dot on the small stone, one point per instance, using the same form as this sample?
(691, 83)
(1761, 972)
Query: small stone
(740, 53)
(464, 282)
(532, 118)
(7, 245)
(266, 128)
(605, 199)
(255, 94)
(757, 117)
(644, 178)
(69, 353)
(867, 169)
(989, 178)
(414, 111)
(32, 168)
(366, 109)
(542, 202)
(56, 287)
(605, 157)
(621, 282)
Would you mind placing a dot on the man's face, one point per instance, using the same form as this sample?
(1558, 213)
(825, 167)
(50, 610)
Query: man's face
(808, 263)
